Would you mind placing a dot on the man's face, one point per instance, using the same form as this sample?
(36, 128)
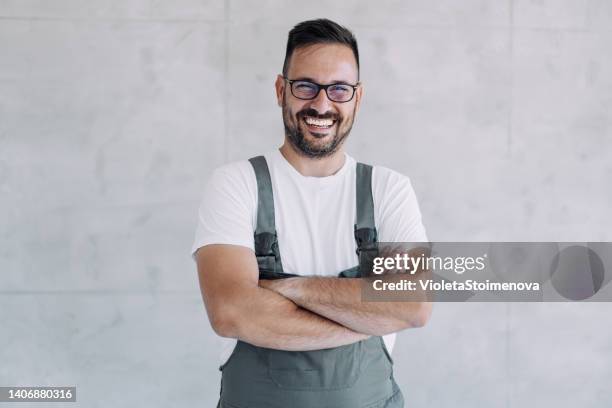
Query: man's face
(318, 127)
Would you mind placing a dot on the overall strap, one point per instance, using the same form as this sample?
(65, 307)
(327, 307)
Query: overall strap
(365, 201)
(266, 241)
(265, 198)
(366, 236)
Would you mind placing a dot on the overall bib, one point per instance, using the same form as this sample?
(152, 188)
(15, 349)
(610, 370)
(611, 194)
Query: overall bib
(358, 375)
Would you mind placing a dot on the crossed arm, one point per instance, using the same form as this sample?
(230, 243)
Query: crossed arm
(340, 300)
(295, 313)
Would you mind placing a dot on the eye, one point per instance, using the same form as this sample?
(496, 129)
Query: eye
(340, 89)
(304, 85)
(307, 87)
(340, 92)
(304, 89)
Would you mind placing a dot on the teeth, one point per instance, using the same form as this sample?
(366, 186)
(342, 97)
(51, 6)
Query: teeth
(318, 122)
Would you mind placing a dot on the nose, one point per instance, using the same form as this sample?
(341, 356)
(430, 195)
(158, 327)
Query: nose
(321, 103)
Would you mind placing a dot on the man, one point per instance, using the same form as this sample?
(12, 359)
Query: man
(277, 243)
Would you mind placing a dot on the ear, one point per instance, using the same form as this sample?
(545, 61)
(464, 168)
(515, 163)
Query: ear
(358, 95)
(280, 89)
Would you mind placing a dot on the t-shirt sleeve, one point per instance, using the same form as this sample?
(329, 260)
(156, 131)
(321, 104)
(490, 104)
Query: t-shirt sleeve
(226, 211)
(397, 212)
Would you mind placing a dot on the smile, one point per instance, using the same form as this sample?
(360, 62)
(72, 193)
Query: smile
(319, 123)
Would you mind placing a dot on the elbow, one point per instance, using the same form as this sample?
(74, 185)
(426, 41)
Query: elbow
(229, 314)
(223, 327)
(223, 323)
(413, 317)
(421, 315)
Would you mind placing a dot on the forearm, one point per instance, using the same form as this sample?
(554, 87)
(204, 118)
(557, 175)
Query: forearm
(267, 319)
(339, 299)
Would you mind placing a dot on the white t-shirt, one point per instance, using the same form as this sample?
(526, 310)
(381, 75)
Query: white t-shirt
(315, 216)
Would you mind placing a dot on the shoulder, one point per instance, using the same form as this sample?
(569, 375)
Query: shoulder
(389, 185)
(382, 174)
(227, 209)
(232, 184)
(237, 176)
(386, 181)
(234, 171)
(397, 211)
(392, 190)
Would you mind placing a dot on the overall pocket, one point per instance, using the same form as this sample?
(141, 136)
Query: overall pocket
(326, 369)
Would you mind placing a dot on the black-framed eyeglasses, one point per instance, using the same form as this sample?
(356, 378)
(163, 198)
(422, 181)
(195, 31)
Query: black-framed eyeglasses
(306, 90)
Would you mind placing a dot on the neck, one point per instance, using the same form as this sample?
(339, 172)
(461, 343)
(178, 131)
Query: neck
(313, 167)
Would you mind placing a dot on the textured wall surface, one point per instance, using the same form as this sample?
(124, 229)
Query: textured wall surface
(114, 112)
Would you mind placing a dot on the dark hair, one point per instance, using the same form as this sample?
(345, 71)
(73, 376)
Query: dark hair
(320, 31)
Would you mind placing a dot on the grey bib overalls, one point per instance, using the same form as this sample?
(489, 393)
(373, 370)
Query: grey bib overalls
(358, 375)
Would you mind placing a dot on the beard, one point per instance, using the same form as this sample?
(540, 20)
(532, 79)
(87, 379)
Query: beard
(294, 131)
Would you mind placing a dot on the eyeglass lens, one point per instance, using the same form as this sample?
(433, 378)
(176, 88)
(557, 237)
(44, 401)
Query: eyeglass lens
(336, 92)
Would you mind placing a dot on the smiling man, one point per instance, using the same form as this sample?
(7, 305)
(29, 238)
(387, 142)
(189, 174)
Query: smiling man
(277, 247)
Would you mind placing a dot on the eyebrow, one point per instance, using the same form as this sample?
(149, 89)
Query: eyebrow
(335, 81)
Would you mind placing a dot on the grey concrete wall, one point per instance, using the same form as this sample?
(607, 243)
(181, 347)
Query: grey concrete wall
(113, 113)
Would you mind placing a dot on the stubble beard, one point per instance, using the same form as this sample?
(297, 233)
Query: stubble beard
(295, 134)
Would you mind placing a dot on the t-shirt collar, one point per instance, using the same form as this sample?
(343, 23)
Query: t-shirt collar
(313, 180)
